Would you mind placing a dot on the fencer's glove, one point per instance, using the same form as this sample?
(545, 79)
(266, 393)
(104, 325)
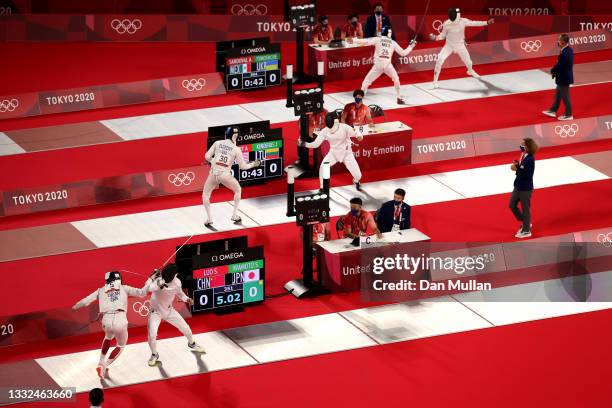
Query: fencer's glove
(161, 283)
(490, 21)
(432, 37)
(76, 306)
(257, 163)
(413, 42)
(300, 143)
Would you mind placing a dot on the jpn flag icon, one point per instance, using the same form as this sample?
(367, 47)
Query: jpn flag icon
(250, 276)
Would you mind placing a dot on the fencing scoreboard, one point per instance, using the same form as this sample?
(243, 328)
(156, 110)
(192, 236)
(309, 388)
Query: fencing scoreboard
(228, 278)
(253, 67)
(267, 146)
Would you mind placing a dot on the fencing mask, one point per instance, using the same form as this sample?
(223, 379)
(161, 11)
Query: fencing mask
(232, 133)
(387, 32)
(453, 14)
(111, 277)
(331, 120)
(169, 272)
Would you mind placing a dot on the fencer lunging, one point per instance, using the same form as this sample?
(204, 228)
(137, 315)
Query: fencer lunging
(165, 287)
(222, 155)
(339, 137)
(112, 302)
(453, 30)
(384, 47)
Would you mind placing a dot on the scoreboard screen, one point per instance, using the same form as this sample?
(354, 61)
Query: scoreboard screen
(253, 67)
(229, 278)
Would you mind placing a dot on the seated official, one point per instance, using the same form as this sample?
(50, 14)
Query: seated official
(323, 32)
(357, 113)
(359, 222)
(353, 28)
(394, 215)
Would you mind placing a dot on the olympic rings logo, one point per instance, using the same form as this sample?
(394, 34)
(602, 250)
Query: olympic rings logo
(142, 308)
(181, 179)
(249, 10)
(605, 239)
(531, 46)
(567, 130)
(437, 25)
(194, 84)
(8, 105)
(126, 26)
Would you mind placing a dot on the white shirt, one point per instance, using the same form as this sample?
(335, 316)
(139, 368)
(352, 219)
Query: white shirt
(112, 298)
(339, 140)
(454, 31)
(162, 299)
(384, 48)
(222, 155)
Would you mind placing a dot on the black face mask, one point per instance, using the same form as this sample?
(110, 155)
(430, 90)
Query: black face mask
(378, 13)
(354, 23)
(329, 120)
(522, 148)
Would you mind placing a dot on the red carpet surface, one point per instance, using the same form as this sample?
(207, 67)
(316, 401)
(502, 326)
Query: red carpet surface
(559, 362)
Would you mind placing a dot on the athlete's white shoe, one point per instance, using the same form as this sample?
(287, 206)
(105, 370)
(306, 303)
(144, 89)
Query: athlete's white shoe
(236, 218)
(208, 222)
(473, 73)
(521, 228)
(522, 234)
(565, 117)
(550, 113)
(101, 370)
(196, 348)
(153, 360)
(435, 85)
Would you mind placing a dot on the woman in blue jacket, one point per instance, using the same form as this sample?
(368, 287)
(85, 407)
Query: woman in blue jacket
(523, 186)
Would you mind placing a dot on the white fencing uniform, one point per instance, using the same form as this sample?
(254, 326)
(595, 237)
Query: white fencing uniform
(384, 47)
(454, 33)
(162, 309)
(113, 302)
(222, 155)
(339, 138)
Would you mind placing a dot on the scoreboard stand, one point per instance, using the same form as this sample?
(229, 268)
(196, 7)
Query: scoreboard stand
(309, 209)
(300, 17)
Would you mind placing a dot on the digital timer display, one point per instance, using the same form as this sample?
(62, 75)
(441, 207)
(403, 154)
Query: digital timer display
(270, 153)
(228, 279)
(253, 67)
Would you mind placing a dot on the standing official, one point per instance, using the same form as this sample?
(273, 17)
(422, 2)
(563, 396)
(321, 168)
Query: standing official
(563, 74)
(394, 215)
(523, 186)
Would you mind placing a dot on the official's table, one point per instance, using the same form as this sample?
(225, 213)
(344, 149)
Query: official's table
(385, 146)
(349, 62)
(340, 264)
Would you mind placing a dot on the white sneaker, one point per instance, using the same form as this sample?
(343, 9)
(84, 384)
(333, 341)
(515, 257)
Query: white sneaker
(565, 117)
(473, 73)
(549, 113)
(521, 228)
(101, 370)
(435, 85)
(236, 218)
(196, 348)
(522, 234)
(153, 360)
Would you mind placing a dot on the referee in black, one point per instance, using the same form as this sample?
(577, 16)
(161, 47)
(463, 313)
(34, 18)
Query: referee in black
(523, 186)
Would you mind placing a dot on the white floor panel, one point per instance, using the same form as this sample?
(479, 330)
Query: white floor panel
(415, 320)
(386, 97)
(270, 210)
(157, 225)
(299, 337)
(8, 146)
(483, 181)
(176, 123)
(562, 171)
(419, 190)
(78, 369)
(276, 111)
(541, 300)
